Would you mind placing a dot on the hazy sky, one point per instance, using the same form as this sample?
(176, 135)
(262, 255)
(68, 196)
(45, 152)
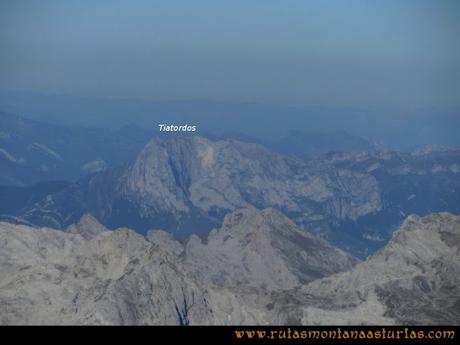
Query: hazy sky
(368, 54)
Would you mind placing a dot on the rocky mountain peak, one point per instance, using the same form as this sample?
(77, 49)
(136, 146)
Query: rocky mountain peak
(52, 277)
(250, 218)
(412, 280)
(88, 227)
(423, 239)
(177, 152)
(117, 277)
(165, 241)
(262, 249)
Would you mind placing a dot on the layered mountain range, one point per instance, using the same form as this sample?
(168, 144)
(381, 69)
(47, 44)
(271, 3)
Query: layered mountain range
(34, 151)
(187, 185)
(265, 270)
(414, 280)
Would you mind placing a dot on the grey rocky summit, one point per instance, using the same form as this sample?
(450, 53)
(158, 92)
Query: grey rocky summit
(414, 280)
(262, 249)
(88, 227)
(53, 277)
(118, 277)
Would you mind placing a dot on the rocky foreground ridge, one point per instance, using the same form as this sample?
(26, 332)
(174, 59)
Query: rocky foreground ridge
(258, 268)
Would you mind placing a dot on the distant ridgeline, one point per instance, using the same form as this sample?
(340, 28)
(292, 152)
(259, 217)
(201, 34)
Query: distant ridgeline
(186, 185)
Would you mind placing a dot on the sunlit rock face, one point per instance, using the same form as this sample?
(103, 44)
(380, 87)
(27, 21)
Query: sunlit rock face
(118, 277)
(262, 249)
(52, 277)
(414, 280)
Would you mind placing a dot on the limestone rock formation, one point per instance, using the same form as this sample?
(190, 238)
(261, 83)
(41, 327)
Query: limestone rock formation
(414, 280)
(118, 277)
(262, 249)
(88, 227)
(53, 277)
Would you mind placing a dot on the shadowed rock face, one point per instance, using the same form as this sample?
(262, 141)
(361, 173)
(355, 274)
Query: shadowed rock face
(117, 277)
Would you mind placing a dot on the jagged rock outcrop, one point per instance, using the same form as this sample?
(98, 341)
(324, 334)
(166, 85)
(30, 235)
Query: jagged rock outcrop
(262, 249)
(54, 277)
(88, 227)
(414, 280)
(165, 241)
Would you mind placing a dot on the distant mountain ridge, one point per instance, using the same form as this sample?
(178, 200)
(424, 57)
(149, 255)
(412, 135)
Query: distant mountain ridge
(266, 122)
(311, 144)
(33, 151)
(186, 185)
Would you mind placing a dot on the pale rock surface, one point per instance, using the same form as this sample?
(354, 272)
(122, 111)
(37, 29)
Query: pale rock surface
(117, 277)
(415, 279)
(262, 249)
(88, 227)
(53, 277)
(165, 241)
